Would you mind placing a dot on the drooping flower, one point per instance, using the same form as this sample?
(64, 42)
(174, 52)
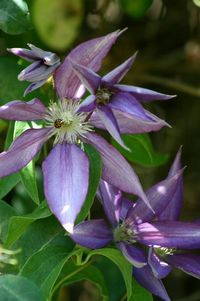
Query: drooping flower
(108, 98)
(134, 224)
(66, 168)
(43, 65)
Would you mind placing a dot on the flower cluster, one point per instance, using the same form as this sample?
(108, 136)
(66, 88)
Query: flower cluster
(147, 232)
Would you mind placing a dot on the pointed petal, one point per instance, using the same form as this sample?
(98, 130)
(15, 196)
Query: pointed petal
(119, 72)
(146, 278)
(89, 54)
(108, 118)
(49, 58)
(188, 263)
(129, 124)
(66, 173)
(144, 95)
(26, 54)
(110, 197)
(173, 209)
(133, 254)
(170, 234)
(34, 86)
(88, 104)
(19, 110)
(126, 103)
(159, 267)
(159, 196)
(114, 165)
(92, 234)
(89, 78)
(22, 150)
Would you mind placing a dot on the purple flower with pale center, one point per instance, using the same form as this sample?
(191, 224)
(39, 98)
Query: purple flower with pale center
(109, 99)
(134, 223)
(66, 168)
(43, 65)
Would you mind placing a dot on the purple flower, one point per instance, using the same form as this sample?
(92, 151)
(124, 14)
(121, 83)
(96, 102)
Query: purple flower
(43, 65)
(109, 99)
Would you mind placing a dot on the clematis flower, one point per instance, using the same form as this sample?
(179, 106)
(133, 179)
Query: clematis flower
(43, 65)
(108, 98)
(132, 225)
(66, 168)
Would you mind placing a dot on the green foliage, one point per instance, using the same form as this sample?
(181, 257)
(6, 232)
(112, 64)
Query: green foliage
(140, 293)
(14, 16)
(6, 211)
(141, 150)
(16, 288)
(94, 178)
(135, 8)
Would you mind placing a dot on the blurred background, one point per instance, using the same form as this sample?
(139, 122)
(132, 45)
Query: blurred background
(167, 35)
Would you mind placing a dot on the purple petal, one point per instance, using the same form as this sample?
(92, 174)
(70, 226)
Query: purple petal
(34, 86)
(188, 263)
(114, 166)
(144, 95)
(66, 173)
(118, 73)
(26, 54)
(110, 197)
(108, 118)
(146, 278)
(173, 209)
(19, 110)
(89, 54)
(22, 150)
(126, 204)
(49, 58)
(159, 267)
(88, 104)
(133, 254)
(126, 103)
(159, 196)
(129, 124)
(89, 78)
(92, 234)
(170, 234)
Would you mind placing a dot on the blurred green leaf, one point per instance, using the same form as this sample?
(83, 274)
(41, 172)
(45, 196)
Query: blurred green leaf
(14, 16)
(197, 2)
(135, 8)
(141, 150)
(16, 288)
(6, 212)
(57, 22)
(19, 224)
(95, 174)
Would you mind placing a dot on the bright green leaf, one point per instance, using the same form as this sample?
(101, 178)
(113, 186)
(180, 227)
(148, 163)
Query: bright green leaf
(95, 174)
(135, 8)
(141, 150)
(57, 22)
(14, 16)
(19, 224)
(16, 288)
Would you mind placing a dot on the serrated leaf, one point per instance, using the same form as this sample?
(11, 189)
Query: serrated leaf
(94, 178)
(14, 16)
(18, 224)
(16, 288)
(141, 150)
(123, 265)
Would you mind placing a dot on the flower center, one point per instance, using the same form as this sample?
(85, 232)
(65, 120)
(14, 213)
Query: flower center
(162, 251)
(66, 123)
(103, 95)
(125, 234)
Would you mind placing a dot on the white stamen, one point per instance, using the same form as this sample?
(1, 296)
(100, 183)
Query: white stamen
(66, 123)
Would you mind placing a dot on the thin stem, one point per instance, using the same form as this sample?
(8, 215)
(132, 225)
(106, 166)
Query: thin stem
(124, 298)
(67, 277)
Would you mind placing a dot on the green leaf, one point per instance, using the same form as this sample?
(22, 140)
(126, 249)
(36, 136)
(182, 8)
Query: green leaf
(27, 174)
(19, 224)
(44, 267)
(140, 293)
(135, 8)
(16, 288)
(95, 175)
(10, 87)
(8, 183)
(123, 265)
(14, 16)
(6, 212)
(57, 22)
(141, 150)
